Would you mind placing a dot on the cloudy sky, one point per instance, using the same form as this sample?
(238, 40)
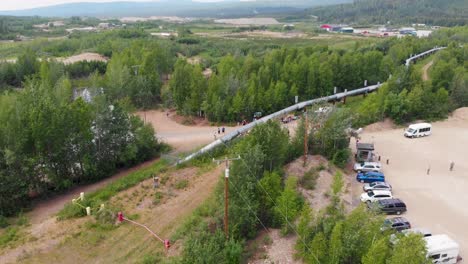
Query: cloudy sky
(26, 4)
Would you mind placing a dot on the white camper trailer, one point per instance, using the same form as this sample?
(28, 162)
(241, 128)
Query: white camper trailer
(418, 130)
(442, 249)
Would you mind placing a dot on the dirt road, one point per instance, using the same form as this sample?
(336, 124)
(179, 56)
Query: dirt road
(437, 201)
(182, 138)
(425, 69)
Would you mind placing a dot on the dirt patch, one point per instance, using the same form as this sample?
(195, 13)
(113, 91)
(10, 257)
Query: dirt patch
(267, 34)
(460, 114)
(182, 137)
(278, 249)
(87, 56)
(380, 126)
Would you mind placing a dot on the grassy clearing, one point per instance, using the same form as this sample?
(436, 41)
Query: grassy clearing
(94, 199)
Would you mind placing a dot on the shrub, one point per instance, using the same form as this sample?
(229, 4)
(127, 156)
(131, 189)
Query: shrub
(309, 180)
(341, 157)
(158, 196)
(182, 184)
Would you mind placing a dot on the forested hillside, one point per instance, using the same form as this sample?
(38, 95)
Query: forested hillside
(431, 12)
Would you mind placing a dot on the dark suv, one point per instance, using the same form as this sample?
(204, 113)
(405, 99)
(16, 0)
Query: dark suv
(389, 206)
(397, 223)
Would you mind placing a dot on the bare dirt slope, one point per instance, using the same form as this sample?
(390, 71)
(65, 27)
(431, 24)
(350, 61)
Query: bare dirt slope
(281, 249)
(75, 241)
(436, 201)
(183, 138)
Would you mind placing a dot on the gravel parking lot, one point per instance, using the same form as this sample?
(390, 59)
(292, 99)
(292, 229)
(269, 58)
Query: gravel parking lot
(438, 200)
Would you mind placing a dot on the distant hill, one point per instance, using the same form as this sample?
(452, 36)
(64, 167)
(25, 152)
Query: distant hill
(432, 12)
(227, 8)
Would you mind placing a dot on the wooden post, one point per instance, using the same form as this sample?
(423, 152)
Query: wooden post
(306, 136)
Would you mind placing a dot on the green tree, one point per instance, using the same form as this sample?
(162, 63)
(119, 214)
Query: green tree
(318, 249)
(410, 249)
(336, 244)
(378, 252)
(287, 206)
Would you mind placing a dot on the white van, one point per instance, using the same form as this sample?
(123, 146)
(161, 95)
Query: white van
(442, 249)
(418, 130)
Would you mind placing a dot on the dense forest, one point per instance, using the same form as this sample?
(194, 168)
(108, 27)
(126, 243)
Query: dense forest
(396, 12)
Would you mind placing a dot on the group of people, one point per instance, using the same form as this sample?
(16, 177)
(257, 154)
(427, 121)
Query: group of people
(220, 130)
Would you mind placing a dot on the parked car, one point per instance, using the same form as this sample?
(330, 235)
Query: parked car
(397, 223)
(377, 186)
(368, 166)
(372, 196)
(388, 206)
(370, 176)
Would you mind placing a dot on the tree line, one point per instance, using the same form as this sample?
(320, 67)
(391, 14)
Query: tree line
(431, 12)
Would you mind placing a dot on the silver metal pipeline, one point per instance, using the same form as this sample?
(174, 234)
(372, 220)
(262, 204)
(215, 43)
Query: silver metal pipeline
(420, 55)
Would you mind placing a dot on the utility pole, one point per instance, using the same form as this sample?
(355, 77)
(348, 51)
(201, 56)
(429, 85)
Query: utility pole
(226, 192)
(306, 136)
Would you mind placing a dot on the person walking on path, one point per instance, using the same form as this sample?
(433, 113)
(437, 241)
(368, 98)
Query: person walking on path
(219, 130)
(223, 130)
(452, 164)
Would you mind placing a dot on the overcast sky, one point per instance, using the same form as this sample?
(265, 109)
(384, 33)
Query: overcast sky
(27, 4)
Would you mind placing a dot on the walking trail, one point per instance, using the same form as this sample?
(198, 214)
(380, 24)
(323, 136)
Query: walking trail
(425, 69)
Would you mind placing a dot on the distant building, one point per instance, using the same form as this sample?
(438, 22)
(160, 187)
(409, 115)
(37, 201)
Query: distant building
(347, 30)
(288, 27)
(104, 25)
(332, 28)
(408, 31)
(83, 29)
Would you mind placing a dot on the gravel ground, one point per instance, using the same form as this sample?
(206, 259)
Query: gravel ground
(438, 200)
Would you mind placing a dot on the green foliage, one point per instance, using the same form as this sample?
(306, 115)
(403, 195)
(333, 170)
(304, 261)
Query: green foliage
(338, 183)
(181, 184)
(432, 12)
(332, 140)
(288, 206)
(318, 249)
(205, 247)
(269, 189)
(10, 235)
(378, 252)
(410, 249)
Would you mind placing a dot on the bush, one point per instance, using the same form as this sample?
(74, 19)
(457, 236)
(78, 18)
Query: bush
(10, 235)
(341, 157)
(182, 184)
(309, 180)
(158, 196)
(3, 222)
